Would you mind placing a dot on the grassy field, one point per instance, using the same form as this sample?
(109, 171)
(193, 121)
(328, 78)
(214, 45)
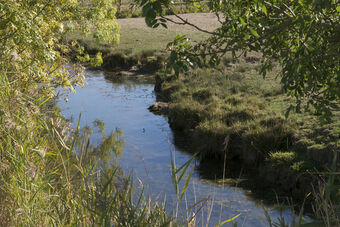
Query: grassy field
(136, 37)
(131, 9)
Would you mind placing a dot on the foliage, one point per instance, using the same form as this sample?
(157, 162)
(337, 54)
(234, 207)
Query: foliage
(30, 34)
(130, 8)
(303, 36)
(43, 182)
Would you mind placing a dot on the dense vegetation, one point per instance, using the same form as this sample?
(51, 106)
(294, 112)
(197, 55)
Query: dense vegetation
(244, 117)
(43, 180)
(302, 36)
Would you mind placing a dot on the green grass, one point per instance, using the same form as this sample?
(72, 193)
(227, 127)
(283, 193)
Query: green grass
(135, 39)
(154, 40)
(234, 101)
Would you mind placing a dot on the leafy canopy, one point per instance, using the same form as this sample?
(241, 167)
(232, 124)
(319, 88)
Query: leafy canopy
(303, 36)
(32, 53)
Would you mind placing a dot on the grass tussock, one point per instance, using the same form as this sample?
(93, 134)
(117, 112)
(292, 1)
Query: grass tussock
(233, 101)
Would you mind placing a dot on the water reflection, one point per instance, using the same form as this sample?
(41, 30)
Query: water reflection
(106, 150)
(129, 84)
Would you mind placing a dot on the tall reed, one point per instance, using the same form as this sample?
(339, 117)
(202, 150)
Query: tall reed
(44, 181)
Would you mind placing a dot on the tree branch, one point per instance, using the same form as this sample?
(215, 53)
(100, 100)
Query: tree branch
(186, 22)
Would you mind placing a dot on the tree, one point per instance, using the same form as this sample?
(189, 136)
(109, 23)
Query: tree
(33, 61)
(32, 54)
(302, 36)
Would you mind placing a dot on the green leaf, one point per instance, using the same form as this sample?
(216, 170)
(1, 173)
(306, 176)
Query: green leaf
(254, 33)
(243, 22)
(264, 9)
(173, 173)
(229, 220)
(185, 187)
(246, 37)
(164, 25)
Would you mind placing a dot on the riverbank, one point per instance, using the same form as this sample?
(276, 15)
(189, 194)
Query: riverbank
(233, 112)
(236, 112)
(51, 175)
(149, 145)
(141, 49)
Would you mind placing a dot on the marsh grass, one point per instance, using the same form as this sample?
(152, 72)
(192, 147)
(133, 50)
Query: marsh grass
(50, 176)
(234, 101)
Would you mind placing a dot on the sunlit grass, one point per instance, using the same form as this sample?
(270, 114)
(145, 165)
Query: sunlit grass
(234, 100)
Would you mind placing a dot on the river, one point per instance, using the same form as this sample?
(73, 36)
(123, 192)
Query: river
(149, 142)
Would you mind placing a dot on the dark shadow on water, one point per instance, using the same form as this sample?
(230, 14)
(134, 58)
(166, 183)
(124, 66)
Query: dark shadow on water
(119, 79)
(235, 175)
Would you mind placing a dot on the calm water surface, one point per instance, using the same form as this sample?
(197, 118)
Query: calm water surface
(123, 103)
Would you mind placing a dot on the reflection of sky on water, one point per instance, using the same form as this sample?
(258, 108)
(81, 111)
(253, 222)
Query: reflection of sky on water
(123, 105)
